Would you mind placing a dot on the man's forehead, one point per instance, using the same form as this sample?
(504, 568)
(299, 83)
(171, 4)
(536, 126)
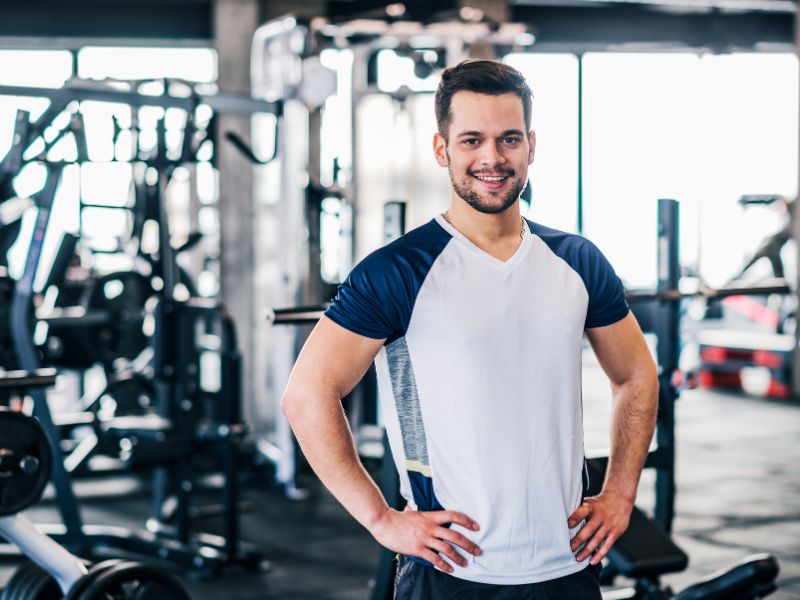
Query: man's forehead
(471, 111)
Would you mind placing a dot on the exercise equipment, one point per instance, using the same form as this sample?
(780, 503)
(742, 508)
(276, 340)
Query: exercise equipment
(52, 572)
(25, 461)
(645, 552)
(104, 325)
(163, 417)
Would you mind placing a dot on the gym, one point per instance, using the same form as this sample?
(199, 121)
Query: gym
(185, 189)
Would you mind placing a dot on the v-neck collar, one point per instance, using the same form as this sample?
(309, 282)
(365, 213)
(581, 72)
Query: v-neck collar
(503, 265)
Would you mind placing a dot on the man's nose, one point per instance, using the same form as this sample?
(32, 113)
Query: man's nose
(492, 155)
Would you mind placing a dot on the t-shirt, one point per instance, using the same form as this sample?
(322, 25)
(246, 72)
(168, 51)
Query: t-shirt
(479, 382)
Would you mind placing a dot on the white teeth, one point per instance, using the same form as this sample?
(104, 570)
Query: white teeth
(490, 178)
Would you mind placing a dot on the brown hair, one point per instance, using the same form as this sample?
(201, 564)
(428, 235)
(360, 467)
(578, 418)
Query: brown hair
(483, 77)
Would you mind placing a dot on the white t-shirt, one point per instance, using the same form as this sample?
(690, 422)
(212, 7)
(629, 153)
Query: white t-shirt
(480, 383)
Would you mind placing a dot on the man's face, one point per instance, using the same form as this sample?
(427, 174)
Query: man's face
(488, 150)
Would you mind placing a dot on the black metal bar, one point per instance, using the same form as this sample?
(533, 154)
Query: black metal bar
(778, 286)
(12, 162)
(231, 395)
(300, 315)
(28, 379)
(668, 335)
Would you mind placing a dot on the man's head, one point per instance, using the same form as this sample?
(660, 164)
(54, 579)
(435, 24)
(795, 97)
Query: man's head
(488, 77)
(483, 112)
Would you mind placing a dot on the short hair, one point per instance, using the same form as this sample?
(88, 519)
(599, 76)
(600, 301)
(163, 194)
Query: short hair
(483, 77)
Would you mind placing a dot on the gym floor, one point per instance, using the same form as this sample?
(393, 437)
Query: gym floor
(738, 493)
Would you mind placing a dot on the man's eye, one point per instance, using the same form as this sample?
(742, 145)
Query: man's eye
(471, 141)
(512, 140)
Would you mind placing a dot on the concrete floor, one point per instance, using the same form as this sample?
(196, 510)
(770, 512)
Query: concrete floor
(738, 493)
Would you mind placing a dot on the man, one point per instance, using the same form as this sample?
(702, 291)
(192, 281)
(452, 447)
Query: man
(475, 322)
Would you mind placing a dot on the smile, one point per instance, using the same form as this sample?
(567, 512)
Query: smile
(491, 179)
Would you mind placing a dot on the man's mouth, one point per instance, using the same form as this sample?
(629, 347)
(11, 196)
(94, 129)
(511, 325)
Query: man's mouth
(492, 182)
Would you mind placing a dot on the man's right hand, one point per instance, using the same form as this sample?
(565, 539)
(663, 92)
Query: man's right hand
(424, 535)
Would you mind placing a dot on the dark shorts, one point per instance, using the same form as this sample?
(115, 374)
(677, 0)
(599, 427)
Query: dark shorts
(416, 581)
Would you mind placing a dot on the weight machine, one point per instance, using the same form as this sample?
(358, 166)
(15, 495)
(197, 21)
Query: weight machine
(187, 419)
(52, 573)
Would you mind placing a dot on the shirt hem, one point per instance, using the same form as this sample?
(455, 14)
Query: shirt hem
(519, 579)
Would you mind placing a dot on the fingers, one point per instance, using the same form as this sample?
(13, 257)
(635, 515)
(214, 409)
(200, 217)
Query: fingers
(581, 513)
(448, 551)
(592, 544)
(436, 560)
(601, 552)
(585, 534)
(449, 516)
(459, 540)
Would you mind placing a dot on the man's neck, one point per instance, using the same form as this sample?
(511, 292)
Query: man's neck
(496, 234)
(481, 228)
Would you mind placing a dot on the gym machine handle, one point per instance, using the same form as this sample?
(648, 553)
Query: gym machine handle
(28, 379)
(299, 315)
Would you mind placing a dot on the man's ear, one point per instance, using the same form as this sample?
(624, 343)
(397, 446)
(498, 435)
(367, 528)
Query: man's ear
(440, 149)
(532, 141)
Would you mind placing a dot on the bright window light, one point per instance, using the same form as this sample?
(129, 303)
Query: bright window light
(35, 68)
(701, 130)
(192, 64)
(396, 71)
(553, 78)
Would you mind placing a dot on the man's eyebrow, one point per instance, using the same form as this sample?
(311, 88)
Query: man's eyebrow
(507, 132)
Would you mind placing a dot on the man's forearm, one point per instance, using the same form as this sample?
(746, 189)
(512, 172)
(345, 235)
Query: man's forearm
(633, 421)
(327, 442)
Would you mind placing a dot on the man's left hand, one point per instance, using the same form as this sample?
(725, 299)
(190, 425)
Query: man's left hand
(607, 516)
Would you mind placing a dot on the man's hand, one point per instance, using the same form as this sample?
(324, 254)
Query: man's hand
(424, 535)
(607, 516)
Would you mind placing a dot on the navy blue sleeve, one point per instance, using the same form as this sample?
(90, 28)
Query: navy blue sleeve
(607, 303)
(369, 302)
(377, 298)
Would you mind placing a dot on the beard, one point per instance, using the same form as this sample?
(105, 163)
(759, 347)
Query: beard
(464, 189)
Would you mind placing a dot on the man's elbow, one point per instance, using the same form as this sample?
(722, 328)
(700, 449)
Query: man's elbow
(291, 404)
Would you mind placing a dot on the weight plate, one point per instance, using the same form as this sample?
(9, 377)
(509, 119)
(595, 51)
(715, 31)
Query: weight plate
(118, 301)
(129, 581)
(93, 572)
(22, 436)
(127, 394)
(31, 582)
(123, 295)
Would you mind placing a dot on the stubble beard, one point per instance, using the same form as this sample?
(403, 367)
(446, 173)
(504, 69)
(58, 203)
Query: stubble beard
(466, 192)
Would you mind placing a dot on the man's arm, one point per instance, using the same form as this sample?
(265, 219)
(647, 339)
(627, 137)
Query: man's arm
(622, 352)
(331, 363)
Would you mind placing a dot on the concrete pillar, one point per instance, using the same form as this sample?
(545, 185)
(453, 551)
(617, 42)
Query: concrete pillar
(494, 10)
(234, 24)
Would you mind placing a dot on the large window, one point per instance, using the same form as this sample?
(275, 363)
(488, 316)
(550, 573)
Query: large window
(105, 183)
(703, 130)
(553, 78)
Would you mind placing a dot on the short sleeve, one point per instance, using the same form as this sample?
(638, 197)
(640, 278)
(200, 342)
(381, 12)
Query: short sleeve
(377, 298)
(607, 303)
(366, 303)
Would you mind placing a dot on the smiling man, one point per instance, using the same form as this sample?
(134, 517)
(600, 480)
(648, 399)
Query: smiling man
(475, 322)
